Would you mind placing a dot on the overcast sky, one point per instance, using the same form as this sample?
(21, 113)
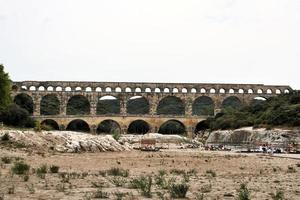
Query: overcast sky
(215, 41)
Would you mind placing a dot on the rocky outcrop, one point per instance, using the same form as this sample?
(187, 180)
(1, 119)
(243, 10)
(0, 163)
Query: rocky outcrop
(254, 136)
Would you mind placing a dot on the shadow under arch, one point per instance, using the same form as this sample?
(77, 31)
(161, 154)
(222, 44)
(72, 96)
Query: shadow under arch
(138, 127)
(50, 105)
(78, 105)
(109, 126)
(24, 101)
(171, 105)
(78, 125)
(51, 124)
(232, 102)
(203, 105)
(172, 127)
(138, 105)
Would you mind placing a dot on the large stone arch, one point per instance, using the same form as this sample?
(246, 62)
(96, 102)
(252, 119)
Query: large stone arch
(203, 105)
(50, 123)
(50, 105)
(171, 105)
(78, 105)
(138, 127)
(232, 102)
(24, 101)
(108, 105)
(172, 127)
(108, 126)
(78, 125)
(138, 105)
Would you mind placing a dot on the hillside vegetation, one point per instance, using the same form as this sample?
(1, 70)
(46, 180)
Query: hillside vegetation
(283, 110)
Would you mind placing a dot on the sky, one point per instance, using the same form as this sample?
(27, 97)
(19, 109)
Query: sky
(212, 41)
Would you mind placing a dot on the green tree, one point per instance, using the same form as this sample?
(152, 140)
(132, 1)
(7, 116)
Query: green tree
(5, 85)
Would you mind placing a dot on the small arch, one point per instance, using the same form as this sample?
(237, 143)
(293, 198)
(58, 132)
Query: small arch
(108, 89)
(241, 91)
(41, 88)
(157, 90)
(166, 90)
(50, 88)
(78, 125)
(250, 91)
(231, 91)
(259, 91)
(78, 105)
(171, 105)
(138, 127)
(32, 88)
(50, 105)
(108, 127)
(52, 124)
(222, 91)
(24, 101)
(78, 89)
(212, 91)
(203, 106)
(138, 89)
(98, 89)
(23, 87)
(278, 91)
(118, 89)
(175, 90)
(269, 91)
(68, 89)
(138, 105)
(184, 90)
(58, 89)
(232, 102)
(172, 127)
(202, 90)
(193, 90)
(14, 88)
(286, 91)
(88, 89)
(148, 90)
(127, 89)
(108, 105)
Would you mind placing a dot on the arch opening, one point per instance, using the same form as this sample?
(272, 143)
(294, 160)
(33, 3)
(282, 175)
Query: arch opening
(138, 127)
(52, 124)
(78, 105)
(79, 126)
(108, 127)
(24, 101)
(171, 105)
(201, 126)
(232, 102)
(108, 105)
(50, 105)
(172, 127)
(203, 106)
(138, 105)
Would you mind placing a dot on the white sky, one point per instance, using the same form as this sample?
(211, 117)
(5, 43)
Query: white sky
(226, 41)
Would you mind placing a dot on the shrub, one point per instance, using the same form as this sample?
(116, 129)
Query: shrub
(178, 190)
(211, 172)
(116, 135)
(115, 171)
(279, 195)
(41, 171)
(100, 194)
(54, 169)
(243, 192)
(143, 184)
(20, 168)
(6, 160)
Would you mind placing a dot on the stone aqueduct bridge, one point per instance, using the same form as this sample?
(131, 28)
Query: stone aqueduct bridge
(153, 92)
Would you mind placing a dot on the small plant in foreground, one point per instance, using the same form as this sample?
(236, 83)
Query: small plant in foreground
(30, 188)
(118, 181)
(41, 171)
(211, 173)
(115, 171)
(143, 184)
(100, 194)
(54, 169)
(6, 160)
(279, 195)
(20, 168)
(243, 192)
(178, 190)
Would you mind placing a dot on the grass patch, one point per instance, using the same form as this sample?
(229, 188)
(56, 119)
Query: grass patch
(54, 169)
(212, 173)
(243, 192)
(115, 171)
(143, 184)
(20, 168)
(178, 190)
